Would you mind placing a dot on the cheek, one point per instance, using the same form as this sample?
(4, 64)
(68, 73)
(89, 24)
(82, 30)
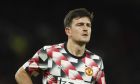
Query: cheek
(89, 31)
(75, 31)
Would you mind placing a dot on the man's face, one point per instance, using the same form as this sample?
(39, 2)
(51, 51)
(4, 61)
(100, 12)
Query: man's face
(80, 30)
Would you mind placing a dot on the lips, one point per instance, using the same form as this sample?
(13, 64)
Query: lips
(84, 34)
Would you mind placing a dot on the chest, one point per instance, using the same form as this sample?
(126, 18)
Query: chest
(74, 69)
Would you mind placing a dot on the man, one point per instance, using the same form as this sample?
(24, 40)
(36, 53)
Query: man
(69, 62)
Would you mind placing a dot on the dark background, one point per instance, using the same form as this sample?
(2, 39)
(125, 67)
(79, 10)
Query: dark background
(26, 26)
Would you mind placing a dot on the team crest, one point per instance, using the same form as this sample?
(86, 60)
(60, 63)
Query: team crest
(89, 71)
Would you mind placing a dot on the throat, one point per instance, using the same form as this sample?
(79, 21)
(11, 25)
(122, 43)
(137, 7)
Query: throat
(78, 52)
(75, 49)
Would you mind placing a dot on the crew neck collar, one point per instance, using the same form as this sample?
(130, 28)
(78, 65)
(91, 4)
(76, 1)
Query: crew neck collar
(74, 56)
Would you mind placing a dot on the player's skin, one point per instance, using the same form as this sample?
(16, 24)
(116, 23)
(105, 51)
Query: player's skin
(78, 33)
(22, 77)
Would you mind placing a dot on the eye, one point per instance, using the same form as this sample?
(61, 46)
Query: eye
(80, 24)
(88, 25)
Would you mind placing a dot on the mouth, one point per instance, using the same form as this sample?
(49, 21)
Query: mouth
(84, 34)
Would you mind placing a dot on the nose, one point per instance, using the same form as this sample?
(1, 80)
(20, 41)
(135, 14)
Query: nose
(85, 28)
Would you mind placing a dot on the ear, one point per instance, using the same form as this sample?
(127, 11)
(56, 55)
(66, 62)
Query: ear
(68, 31)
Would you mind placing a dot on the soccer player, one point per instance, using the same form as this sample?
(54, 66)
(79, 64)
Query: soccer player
(69, 62)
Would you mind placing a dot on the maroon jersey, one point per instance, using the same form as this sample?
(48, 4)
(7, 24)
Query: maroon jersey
(58, 66)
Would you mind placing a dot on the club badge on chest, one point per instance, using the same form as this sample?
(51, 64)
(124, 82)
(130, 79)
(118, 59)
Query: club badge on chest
(89, 71)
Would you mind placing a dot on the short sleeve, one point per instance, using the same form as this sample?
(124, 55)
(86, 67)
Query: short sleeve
(101, 75)
(37, 63)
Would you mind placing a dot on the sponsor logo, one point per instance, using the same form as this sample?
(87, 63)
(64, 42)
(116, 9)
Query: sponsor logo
(70, 81)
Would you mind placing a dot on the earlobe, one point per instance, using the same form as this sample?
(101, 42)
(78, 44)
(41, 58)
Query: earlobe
(67, 31)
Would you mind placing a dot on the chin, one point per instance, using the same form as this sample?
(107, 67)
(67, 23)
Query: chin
(84, 41)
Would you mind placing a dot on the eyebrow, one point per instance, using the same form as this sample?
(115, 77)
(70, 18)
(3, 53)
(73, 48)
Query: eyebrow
(81, 23)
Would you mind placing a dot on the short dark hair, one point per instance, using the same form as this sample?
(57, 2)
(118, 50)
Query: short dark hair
(80, 12)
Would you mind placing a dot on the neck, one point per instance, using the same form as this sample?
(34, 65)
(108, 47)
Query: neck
(76, 49)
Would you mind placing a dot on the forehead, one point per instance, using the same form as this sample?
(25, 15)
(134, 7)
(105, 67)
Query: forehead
(81, 20)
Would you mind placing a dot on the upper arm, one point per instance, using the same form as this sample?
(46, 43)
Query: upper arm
(37, 63)
(22, 77)
(32, 67)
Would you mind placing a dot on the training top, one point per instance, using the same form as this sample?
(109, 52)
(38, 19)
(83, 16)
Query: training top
(59, 66)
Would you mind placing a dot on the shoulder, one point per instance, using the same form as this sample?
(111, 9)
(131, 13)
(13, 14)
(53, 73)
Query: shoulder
(93, 55)
(60, 45)
(47, 50)
(51, 48)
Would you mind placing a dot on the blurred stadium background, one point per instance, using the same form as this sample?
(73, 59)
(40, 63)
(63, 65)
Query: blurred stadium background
(26, 26)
